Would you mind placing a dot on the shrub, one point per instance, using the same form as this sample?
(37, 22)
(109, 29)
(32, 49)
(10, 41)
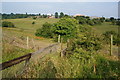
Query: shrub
(34, 17)
(66, 27)
(45, 31)
(116, 37)
(7, 24)
(33, 22)
(90, 22)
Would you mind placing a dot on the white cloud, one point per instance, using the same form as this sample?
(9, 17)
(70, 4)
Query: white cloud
(60, 0)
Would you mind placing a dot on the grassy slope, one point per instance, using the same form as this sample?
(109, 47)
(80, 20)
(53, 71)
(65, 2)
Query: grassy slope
(26, 23)
(23, 29)
(52, 62)
(105, 27)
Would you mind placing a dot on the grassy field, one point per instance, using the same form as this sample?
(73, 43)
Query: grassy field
(106, 26)
(26, 23)
(14, 45)
(18, 35)
(24, 28)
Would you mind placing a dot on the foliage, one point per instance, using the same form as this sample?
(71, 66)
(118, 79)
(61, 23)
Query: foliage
(45, 31)
(87, 20)
(90, 22)
(87, 40)
(56, 15)
(66, 27)
(34, 18)
(116, 37)
(33, 22)
(118, 22)
(14, 16)
(61, 15)
(7, 24)
(44, 16)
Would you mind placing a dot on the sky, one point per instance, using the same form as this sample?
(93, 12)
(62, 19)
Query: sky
(59, 0)
(106, 9)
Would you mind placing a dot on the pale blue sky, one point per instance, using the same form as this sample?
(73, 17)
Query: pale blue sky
(59, 0)
(107, 9)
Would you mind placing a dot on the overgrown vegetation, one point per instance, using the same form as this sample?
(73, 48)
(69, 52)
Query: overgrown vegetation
(82, 59)
(116, 37)
(82, 54)
(7, 24)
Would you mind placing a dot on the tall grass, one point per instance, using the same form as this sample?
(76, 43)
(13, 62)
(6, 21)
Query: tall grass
(53, 66)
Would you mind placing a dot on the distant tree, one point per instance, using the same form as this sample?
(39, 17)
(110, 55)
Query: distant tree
(56, 14)
(112, 18)
(102, 19)
(67, 16)
(45, 31)
(44, 16)
(107, 20)
(7, 24)
(39, 14)
(90, 22)
(33, 22)
(87, 17)
(34, 18)
(61, 15)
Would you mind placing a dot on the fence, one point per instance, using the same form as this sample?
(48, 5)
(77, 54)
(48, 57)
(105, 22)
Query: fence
(26, 58)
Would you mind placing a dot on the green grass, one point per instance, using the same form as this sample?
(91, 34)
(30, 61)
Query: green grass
(106, 26)
(52, 65)
(23, 28)
(26, 23)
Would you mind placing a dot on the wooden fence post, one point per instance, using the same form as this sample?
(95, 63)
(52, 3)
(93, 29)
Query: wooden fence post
(111, 44)
(27, 42)
(68, 42)
(58, 38)
(61, 53)
(33, 43)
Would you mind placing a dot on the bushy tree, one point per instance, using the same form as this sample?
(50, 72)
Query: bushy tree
(7, 24)
(45, 31)
(34, 18)
(112, 18)
(56, 15)
(90, 22)
(33, 22)
(116, 37)
(66, 27)
(61, 15)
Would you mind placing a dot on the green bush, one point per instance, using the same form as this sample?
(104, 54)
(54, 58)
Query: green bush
(107, 36)
(45, 31)
(66, 27)
(7, 24)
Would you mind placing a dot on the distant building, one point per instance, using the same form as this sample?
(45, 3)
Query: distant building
(51, 16)
(78, 15)
(93, 17)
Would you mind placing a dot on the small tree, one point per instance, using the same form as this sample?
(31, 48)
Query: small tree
(66, 27)
(34, 17)
(61, 15)
(90, 22)
(33, 22)
(56, 14)
(45, 31)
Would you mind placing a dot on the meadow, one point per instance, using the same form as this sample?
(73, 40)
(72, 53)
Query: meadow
(57, 66)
